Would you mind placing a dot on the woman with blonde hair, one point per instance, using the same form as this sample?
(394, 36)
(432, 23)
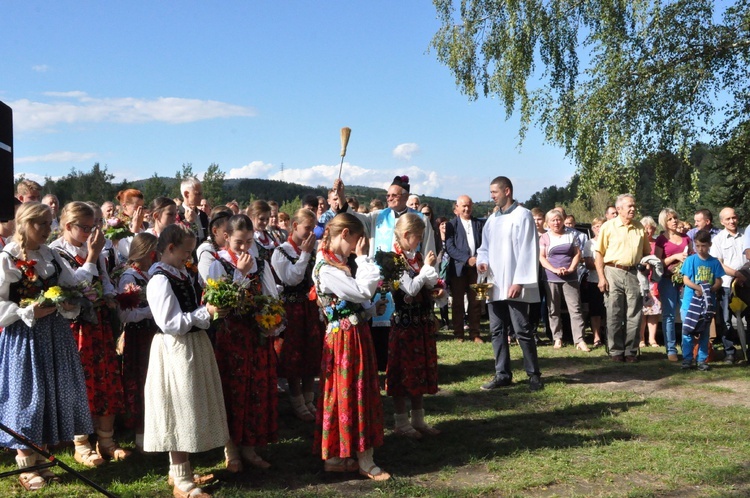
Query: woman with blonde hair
(41, 377)
(350, 413)
(672, 248)
(651, 312)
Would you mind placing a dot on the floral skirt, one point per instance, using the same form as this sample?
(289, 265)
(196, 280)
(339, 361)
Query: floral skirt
(136, 349)
(299, 349)
(42, 384)
(247, 365)
(412, 360)
(350, 411)
(101, 367)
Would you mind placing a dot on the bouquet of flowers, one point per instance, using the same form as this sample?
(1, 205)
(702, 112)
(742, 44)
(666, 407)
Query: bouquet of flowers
(392, 266)
(677, 275)
(131, 297)
(116, 229)
(270, 315)
(52, 297)
(223, 293)
(93, 291)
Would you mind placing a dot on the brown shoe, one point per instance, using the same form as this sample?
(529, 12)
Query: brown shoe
(478, 340)
(673, 357)
(631, 359)
(619, 358)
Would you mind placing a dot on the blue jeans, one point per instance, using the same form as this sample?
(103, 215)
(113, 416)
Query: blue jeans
(669, 297)
(688, 342)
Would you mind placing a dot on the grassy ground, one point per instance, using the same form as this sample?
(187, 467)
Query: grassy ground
(597, 429)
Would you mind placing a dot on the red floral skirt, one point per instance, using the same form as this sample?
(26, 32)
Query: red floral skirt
(300, 347)
(247, 364)
(350, 412)
(135, 353)
(101, 367)
(412, 360)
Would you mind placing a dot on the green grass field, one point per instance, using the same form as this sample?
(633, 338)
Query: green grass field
(597, 429)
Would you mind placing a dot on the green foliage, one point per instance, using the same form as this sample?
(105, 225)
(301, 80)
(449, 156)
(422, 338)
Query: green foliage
(610, 81)
(96, 185)
(213, 185)
(155, 187)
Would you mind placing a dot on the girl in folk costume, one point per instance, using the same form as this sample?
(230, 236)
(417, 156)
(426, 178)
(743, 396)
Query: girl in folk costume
(246, 359)
(184, 406)
(80, 248)
(42, 388)
(138, 327)
(350, 413)
(108, 251)
(299, 351)
(260, 213)
(412, 352)
(208, 251)
(163, 214)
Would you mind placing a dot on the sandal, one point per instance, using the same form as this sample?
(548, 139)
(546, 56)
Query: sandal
(234, 465)
(642, 344)
(194, 492)
(342, 465)
(408, 431)
(581, 346)
(654, 345)
(427, 430)
(88, 459)
(112, 450)
(32, 481)
(558, 344)
(256, 461)
(198, 479)
(375, 473)
(47, 473)
(597, 344)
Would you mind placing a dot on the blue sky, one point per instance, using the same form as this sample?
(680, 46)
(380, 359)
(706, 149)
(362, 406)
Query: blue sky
(143, 87)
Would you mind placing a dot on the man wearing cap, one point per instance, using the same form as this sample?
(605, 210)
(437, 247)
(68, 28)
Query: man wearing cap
(621, 244)
(379, 228)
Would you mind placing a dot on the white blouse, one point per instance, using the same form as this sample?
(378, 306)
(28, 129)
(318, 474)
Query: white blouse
(288, 272)
(359, 289)
(10, 312)
(133, 315)
(87, 271)
(165, 307)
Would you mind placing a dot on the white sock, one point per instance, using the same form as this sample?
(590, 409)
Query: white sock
(402, 420)
(25, 461)
(182, 475)
(417, 418)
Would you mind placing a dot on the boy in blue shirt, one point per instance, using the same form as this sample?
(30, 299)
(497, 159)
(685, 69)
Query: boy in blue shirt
(700, 271)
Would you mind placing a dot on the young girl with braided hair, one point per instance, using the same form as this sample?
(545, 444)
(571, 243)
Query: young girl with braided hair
(299, 350)
(42, 387)
(246, 359)
(138, 328)
(184, 405)
(80, 247)
(412, 351)
(208, 251)
(350, 413)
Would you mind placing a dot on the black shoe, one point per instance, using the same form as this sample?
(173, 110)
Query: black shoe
(729, 359)
(704, 367)
(495, 383)
(535, 383)
(687, 365)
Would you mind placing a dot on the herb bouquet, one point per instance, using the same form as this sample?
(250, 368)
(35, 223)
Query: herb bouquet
(270, 315)
(223, 293)
(392, 266)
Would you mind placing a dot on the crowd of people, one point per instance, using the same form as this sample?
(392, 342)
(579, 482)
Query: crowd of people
(120, 311)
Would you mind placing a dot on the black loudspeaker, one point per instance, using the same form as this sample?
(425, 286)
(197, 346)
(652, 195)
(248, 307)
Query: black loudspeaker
(7, 211)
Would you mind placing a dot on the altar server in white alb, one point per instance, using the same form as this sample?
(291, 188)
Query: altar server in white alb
(509, 255)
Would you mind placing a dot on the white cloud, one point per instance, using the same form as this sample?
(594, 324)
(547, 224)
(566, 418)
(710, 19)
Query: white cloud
(255, 169)
(78, 107)
(40, 68)
(406, 151)
(63, 156)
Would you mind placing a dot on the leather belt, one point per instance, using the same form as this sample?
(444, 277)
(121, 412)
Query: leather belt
(620, 267)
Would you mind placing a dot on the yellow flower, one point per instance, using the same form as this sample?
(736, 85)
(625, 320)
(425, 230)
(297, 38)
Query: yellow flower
(396, 284)
(211, 283)
(53, 293)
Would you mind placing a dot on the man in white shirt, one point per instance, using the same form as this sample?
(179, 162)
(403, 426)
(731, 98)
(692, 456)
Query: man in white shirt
(510, 255)
(727, 246)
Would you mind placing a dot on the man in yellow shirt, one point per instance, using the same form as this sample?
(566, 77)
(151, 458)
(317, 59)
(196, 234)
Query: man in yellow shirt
(621, 244)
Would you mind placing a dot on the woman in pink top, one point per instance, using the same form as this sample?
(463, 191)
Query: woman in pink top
(672, 248)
